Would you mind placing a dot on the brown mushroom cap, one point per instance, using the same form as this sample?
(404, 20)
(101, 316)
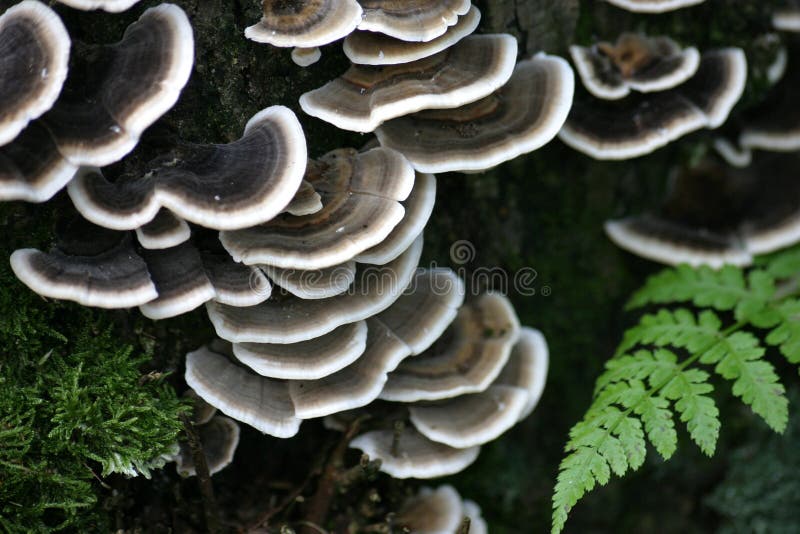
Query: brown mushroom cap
(34, 52)
(365, 96)
(316, 284)
(111, 6)
(635, 62)
(292, 319)
(304, 57)
(524, 114)
(304, 23)
(231, 186)
(89, 265)
(653, 6)
(305, 202)
(361, 195)
(369, 48)
(412, 455)
(411, 20)
(632, 128)
(140, 79)
(467, 358)
(219, 437)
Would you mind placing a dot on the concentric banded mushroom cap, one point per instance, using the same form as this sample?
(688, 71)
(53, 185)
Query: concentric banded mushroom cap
(185, 279)
(412, 455)
(34, 53)
(418, 208)
(713, 215)
(653, 6)
(775, 124)
(306, 360)
(734, 155)
(305, 57)
(365, 96)
(89, 265)
(140, 79)
(111, 6)
(478, 418)
(219, 438)
(291, 319)
(361, 195)
(369, 48)
(305, 23)
(467, 359)
(32, 168)
(632, 128)
(411, 20)
(231, 186)
(432, 511)
(635, 62)
(524, 114)
(165, 230)
(305, 201)
(260, 402)
(317, 284)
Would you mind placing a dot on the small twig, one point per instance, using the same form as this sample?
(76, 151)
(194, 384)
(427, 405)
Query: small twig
(320, 503)
(465, 526)
(203, 476)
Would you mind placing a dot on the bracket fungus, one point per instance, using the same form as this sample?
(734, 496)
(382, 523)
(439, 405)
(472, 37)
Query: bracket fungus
(111, 6)
(654, 6)
(131, 84)
(439, 511)
(715, 216)
(365, 96)
(524, 114)
(219, 437)
(231, 186)
(165, 230)
(305, 57)
(34, 53)
(323, 386)
(361, 195)
(635, 62)
(411, 20)
(103, 270)
(305, 23)
(635, 127)
(291, 319)
(369, 48)
(787, 19)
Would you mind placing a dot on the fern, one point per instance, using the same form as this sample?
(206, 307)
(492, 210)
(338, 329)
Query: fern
(706, 322)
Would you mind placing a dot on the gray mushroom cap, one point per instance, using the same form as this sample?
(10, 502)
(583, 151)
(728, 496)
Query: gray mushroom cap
(524, 114)
(231, 186)
(305, 23)
(102, 271)
(628, 129)
(219, 437)
(411, 20)
(34, 52)
(370, 48)
(365, 96)
(466, 360)
(653, 6)
(141, 78)
(165, 230)
(111, 6)
(432, 511)
(304, 57)
(411, 455)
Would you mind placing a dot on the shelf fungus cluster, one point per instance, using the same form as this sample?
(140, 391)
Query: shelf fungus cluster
(52, 122)
(716, 214)
(649, 92)
(418, 26)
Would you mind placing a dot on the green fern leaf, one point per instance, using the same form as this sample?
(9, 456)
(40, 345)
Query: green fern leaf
(698, 411)
(578, 474)
(677, 328)
(787, 334)
(657, 419)
(720, 289)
